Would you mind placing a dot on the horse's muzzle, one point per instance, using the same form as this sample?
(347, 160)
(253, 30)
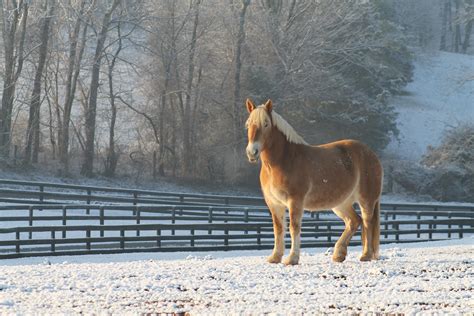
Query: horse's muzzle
(253, 152)
(253, 159)
(253, 156)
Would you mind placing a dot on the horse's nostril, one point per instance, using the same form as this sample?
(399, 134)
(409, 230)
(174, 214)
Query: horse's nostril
(255, 151)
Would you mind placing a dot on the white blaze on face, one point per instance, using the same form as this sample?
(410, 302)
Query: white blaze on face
(253, 151)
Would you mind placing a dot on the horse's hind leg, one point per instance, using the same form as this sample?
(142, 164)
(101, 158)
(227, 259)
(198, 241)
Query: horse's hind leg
(347, 213)
(367, 212)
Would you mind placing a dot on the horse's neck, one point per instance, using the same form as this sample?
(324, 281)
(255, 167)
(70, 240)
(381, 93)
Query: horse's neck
(274, 154)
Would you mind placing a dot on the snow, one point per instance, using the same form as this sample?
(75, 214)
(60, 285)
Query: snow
(439, 97)
(424, 277)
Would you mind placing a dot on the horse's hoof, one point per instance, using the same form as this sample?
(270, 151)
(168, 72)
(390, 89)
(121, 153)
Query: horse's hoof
(339, 254)
(290, 261)
(366, 257)
(338, 258)
(274, 259)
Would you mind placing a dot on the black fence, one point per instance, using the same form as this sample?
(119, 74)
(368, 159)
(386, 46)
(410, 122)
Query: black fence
(72, 229)
(32, 192)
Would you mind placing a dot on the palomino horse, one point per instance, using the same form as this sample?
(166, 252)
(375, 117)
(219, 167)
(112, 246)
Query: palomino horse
(297, 176)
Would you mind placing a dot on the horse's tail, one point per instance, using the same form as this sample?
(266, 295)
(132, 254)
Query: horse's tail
(376, 230)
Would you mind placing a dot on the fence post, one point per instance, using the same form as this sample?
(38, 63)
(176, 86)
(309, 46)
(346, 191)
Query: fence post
(259, 237)
(434, 216)
(246, 218)
(449, 225)
(64, 220)
(316, 227)
(89, 192)
(101, 220)
(192, 237)
(209, 219)
(158, 239)
(30, 220)
(460, 231)
(173, 219)
(135, 198)
(88, 236)
(226, 238)
(418, 226)
(53, 244)
(385, 214)
(122, 242)
(329, 232)
(17, 237)
(41, 196)
(137, 211)
(397, 232)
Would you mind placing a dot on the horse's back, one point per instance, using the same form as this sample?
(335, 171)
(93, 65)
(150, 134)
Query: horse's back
(368, 165)
(361, 162)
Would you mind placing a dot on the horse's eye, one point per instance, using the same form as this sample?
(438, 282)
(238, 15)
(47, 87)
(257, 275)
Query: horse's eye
(266, 124)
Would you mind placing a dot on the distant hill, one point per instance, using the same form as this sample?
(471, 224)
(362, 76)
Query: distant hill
(439, 97)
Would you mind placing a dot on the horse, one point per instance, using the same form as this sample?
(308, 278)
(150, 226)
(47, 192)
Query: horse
(297, 176)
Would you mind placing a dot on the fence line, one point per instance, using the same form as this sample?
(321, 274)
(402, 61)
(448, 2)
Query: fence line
(234, 228)
(136, 197)
(45, 221)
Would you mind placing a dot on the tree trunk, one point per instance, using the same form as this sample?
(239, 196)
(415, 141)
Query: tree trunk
(444, 22)
(187, 118)
(13, 46)
(88, 164)
(112, 157)
(33, 131)
(76, 50)
(468, 28)
(237, 109)
(457, 32)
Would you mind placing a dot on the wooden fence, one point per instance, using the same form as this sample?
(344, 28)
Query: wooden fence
(32, 192)
(52, 229)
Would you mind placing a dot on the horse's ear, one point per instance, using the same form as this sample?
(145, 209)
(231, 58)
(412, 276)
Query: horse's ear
(269, 106)
(250, 105)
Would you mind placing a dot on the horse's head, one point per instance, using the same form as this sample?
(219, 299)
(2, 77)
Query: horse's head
(259, 126)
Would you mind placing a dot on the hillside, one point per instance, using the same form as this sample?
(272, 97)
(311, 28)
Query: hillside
(439, 97)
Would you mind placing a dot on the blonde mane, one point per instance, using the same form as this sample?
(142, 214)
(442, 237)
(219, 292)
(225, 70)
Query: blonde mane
(260, 115)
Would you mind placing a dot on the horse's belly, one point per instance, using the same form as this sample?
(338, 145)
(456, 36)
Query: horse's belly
(320, 199)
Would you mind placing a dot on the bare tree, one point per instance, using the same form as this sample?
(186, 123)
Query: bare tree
(237, 105)
(469, 19)
(77, 43)
(13, 23)
(33, 130)
(112, 155)
(88, 164)
(188, 117)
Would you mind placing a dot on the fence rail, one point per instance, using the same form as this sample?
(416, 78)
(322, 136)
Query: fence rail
(45, 230)
(14, 191)
(50, 219)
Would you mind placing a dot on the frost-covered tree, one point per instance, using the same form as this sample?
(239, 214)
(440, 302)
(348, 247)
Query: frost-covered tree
(456, 151)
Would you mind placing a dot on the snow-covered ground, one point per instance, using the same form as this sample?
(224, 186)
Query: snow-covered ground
(439, 97)
(431, 277)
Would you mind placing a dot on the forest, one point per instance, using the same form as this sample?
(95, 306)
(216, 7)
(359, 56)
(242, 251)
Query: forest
(151, 89)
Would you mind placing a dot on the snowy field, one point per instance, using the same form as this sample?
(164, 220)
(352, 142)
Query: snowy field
(439, 97)
(424, 277)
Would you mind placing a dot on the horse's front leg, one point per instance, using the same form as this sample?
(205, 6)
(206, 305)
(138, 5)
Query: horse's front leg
(279, 228)
(296, 214)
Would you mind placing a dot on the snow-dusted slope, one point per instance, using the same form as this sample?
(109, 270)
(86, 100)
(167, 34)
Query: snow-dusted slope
(438, 98)
(434, 277)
